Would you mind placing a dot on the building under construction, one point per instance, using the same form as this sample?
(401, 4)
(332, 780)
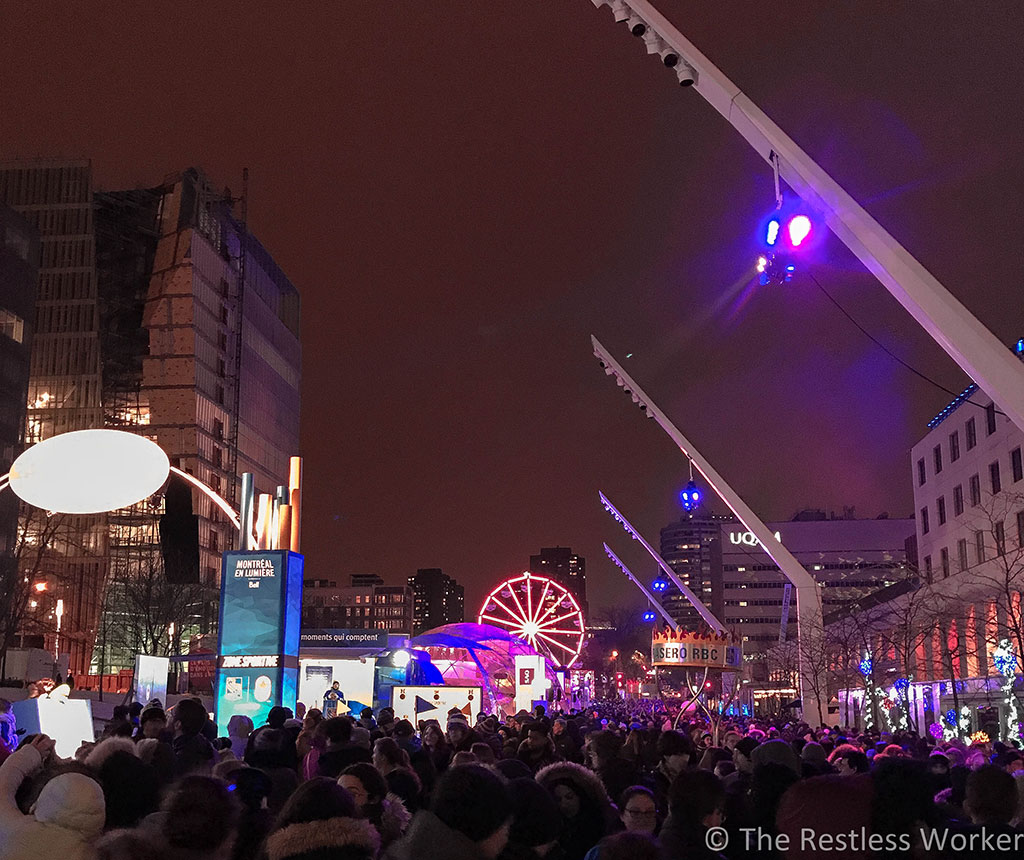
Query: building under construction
(176, 323)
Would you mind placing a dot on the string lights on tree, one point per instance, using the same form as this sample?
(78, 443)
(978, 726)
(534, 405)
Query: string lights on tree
(1004, 658)
(865, 667)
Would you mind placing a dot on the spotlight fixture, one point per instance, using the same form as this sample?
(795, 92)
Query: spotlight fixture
(685, 73)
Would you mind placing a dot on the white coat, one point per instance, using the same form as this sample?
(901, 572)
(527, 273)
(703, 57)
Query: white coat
(66, 820)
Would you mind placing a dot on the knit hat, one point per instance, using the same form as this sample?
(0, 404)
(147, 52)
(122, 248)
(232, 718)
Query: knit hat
(152, 712)
(776, 752)
(813, 753)
(746, 746)
(458, 719)
(472, 800)
(535, 816)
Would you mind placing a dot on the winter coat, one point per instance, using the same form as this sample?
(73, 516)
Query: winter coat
(404, 783)
(65, 822)
(597, 817)
(391, 819)
(535, 759)
(428, 836)
(333, 839)
(617, 775)
(678, 842)
(192, 754)
(566, 747)
(332, 762)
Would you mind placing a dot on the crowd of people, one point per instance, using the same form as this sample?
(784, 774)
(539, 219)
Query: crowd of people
(613, 782)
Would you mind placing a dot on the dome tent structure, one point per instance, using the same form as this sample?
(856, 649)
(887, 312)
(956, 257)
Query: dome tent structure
(469, 653)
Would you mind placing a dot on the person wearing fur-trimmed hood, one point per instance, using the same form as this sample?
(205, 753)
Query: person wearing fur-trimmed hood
(319, 823)
(66, 819)
(587, 813)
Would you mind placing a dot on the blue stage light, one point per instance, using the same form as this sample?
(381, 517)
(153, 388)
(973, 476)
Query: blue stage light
(771, 235)
(659, 585)
(690, 496)
(650, 615)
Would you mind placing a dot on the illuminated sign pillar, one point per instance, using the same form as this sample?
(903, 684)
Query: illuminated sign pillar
(260, 614)
(261, 607)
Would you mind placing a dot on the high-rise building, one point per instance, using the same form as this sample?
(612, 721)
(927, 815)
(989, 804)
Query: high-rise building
(849, 558)
(968, 486)
(437, 599)
(214, 375)
(19, 263)
(365, 604)
(160, 314)
(692, 547)
(960, 626)
(67, 554)
(566, 568)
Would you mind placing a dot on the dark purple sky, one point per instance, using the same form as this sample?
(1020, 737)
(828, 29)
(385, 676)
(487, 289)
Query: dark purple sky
(464, 191)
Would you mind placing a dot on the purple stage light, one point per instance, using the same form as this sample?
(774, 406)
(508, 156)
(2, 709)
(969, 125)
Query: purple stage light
(799, 229)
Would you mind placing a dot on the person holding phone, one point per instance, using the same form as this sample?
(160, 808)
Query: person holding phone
(67, 817)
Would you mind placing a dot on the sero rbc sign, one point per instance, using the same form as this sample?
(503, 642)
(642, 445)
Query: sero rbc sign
(695, 650)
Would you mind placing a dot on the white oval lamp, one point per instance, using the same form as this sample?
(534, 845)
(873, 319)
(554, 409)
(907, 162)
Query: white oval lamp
(89, 471)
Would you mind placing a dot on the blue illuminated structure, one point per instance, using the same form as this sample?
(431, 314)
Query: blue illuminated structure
(786, 231)
(260, 615)
(690, 497)
(788, 228)
(955, 403)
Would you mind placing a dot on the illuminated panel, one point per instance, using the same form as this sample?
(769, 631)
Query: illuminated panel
(260, 614)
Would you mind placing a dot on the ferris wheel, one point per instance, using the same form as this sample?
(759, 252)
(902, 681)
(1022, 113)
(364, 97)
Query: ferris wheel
(542, 612)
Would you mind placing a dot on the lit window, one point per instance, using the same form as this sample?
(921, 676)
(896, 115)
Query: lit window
(12, 325)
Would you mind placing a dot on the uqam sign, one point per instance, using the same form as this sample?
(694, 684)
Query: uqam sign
(748, 538)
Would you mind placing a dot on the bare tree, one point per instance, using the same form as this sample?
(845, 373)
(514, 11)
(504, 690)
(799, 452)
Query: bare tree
(999, 535)
(997, 579)
(143, 612)
(39, 535)
(904, 628)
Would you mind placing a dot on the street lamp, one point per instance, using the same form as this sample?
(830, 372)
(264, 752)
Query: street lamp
(59, 611)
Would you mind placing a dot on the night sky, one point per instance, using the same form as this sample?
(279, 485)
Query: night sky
(464, 191)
